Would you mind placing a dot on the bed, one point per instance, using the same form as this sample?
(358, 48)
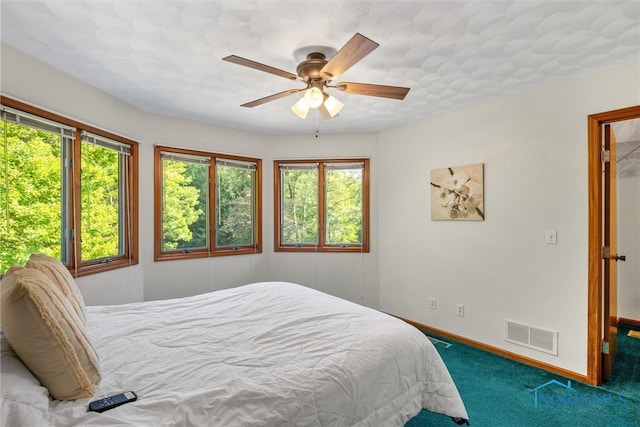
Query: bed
(264, 354)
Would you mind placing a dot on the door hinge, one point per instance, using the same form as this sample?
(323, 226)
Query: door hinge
(606, 252)
(605, 347)
(606, 156)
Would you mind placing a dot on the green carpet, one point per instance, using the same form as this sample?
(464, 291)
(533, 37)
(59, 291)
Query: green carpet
(501, 392)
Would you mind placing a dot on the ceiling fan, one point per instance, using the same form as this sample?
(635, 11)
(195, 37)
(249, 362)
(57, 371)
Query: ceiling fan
(317, 73)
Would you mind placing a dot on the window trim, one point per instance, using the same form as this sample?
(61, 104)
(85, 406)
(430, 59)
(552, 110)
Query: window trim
(321, 246)
(211, 250)
(130, 255)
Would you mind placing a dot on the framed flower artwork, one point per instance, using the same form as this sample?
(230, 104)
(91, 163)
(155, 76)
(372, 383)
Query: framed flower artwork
(457, 193)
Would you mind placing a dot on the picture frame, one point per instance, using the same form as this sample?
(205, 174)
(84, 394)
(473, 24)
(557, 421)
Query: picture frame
(457, 193)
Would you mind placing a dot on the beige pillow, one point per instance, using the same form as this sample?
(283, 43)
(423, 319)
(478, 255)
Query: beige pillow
(46, 333)
(60, 276)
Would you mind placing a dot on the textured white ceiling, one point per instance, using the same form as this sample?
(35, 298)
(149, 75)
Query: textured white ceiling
(166, 56)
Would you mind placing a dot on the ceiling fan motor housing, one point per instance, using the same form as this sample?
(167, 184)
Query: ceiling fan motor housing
(309, 69)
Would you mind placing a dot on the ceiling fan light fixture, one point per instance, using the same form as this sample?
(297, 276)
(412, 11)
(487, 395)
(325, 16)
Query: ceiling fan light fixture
(301, 108)
(317, 67)
(330, 107)
(314, 97)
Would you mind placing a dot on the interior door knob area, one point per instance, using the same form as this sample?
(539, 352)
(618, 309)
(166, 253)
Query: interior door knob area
(620, 258)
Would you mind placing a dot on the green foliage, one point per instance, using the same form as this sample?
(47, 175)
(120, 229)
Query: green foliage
(185, 201)
(199, 175)
(100, 216)
(30, 194)
(31, 197)
(32, 213)
(234, 206)
(183, 205)
(344, 206)
(300, 206)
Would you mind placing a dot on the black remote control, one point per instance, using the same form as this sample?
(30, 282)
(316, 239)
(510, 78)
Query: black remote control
(111, 402)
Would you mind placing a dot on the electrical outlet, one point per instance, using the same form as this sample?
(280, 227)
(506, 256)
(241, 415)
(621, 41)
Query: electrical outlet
(432, 303)
(460, 310)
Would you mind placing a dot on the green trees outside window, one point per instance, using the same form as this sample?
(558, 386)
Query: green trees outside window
(299, 205)
(31, 194)
(235, 205)
(68, 191)
(203, 198)
(100, 197)
(322, 205)
(344, 212)
(184, 205)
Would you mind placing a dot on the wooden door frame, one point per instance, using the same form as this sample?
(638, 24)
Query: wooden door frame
(595, 123)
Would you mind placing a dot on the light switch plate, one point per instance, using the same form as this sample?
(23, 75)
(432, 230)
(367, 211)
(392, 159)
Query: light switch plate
(551, 237)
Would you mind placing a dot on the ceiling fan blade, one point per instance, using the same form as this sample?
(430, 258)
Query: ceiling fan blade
(271, 97)
(260, 67)
(393, 92)
(357, 48)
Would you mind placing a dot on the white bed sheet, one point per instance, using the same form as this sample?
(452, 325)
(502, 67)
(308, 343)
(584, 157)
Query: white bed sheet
(265, 354)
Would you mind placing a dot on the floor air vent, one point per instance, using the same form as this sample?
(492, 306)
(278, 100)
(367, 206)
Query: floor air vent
(533, 337)
(441, 343)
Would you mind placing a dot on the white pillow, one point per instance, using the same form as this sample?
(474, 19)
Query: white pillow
(24, 401)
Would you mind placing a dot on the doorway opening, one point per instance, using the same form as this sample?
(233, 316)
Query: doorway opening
(596, 252)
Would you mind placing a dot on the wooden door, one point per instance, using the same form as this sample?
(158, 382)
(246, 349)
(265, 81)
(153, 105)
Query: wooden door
(597, 323)
(609, 256)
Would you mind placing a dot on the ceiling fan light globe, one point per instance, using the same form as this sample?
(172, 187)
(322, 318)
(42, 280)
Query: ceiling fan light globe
(332, 106)
(313, 97)
(301, 108)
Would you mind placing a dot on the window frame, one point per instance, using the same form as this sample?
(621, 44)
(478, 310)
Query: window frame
(321, 246)
(71, 196)
(211, 250)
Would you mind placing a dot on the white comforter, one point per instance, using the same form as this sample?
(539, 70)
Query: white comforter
(266, 354)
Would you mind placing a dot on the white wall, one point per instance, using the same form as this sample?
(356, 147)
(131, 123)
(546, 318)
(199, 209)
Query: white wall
(352, 276)
(629, 244)
(534, 148)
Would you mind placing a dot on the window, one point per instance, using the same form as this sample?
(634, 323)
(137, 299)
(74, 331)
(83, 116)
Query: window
(206, 204)
(322, 205)
(91, 226)
(103, 192)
